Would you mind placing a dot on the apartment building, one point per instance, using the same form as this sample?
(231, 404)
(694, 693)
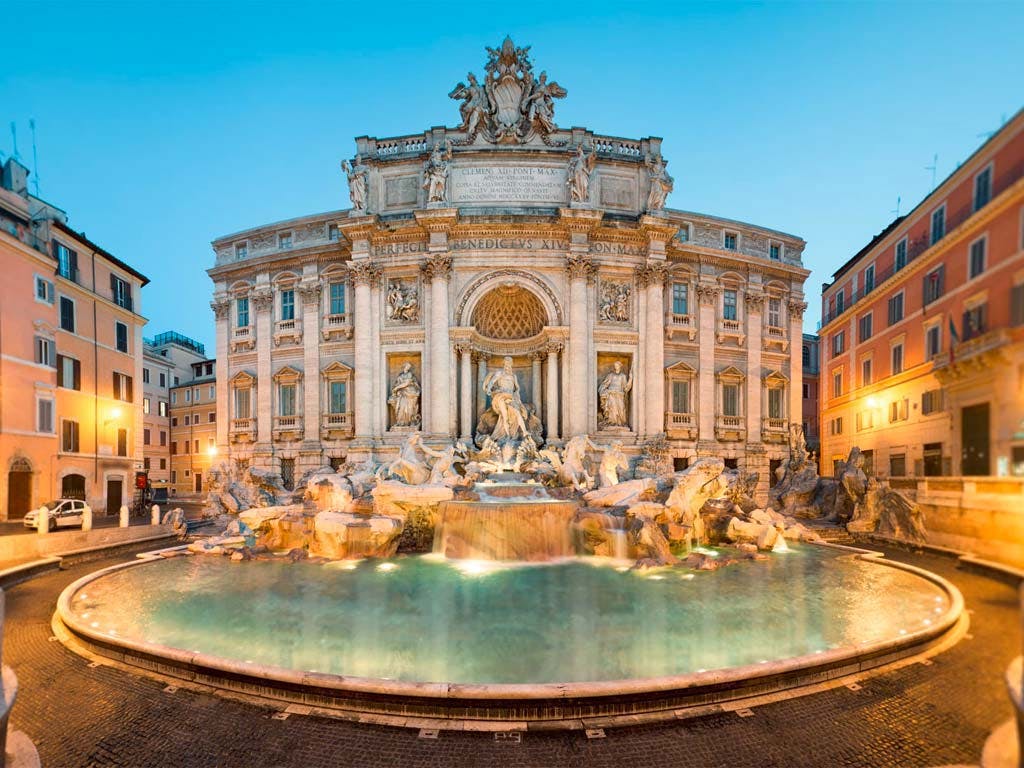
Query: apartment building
(168, 359)
(811, 359)
(923, 329)
(193, 415)
(70, 359)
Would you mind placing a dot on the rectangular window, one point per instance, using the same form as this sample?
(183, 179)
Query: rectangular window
(332, 232)
(145, 405)
(163, 380)
(163, 463)
(122, 387)
(162, 408)
(122, 442)
(337, 298)
(932, 341)
(975, 321)
(242, 312)
(806, 356)
(680, 397)
(838, 343)
(174, 447)
(837, 425)
(46, 352)
(869, 279)
(837, 384)
(242, 404)
(121, 334)
(288, 305)
(188, 395)
(1017, 304)
(241, 250)
(901, 254)
(807, 390)
(938, 224)
(865, 327)
(174, 421)
(145, 375)
(730, 400)
(896, 308)
(729, 305)
(775, 252)
(44, 415)
(731, 241)
(898, 410)
(44, 290)
(145, 437)
(865, 372)
(841, 301)
(931, 401)
(69, 372)
(338, 397)
(898, 465)
(67, 261)
(284, 240)
(286, 400)
(213, 392)
(775, 312)
(680, 299)
(977, 259)
(69, 434)
(195, 447)
(775, 403)
(121, 292)
(67, 314)
(211, 417)
(897, 359)
(982, 188)
(146, 463)
(934, 284)
(163, 439)
(188, 419)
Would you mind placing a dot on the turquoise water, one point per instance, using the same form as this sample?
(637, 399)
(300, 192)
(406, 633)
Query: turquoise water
(425, 619)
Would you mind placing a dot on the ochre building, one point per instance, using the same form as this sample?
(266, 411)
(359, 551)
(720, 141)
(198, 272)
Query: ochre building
(922, 339)
(507, 240)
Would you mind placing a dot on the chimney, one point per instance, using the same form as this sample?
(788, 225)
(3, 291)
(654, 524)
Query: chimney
(15, 177)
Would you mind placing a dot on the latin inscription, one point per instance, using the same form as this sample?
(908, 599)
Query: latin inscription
(477, 244)
(509, 184)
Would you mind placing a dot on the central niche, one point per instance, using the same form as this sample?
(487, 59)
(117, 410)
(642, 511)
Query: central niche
(509, 312)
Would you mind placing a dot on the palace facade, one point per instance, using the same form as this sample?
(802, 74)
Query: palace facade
(507, 241)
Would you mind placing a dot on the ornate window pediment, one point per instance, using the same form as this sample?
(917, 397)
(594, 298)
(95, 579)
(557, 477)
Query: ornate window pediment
(681, 370)
(336, 371)
(242, 380)
(775, 379)
(287, 375)
(731, 375)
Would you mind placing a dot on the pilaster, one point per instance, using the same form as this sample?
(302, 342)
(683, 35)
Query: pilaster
(754, 302)
(707, 299)
(310, 291)
(221, 306)
(796, 309)
(262, 302)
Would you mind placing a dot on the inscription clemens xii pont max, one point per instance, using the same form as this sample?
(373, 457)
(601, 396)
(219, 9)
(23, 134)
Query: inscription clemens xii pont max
(527, 184)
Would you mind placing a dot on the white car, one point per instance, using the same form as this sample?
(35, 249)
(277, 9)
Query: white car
(64, 513)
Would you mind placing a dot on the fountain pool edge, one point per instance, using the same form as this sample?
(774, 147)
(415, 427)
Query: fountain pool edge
(565, 705)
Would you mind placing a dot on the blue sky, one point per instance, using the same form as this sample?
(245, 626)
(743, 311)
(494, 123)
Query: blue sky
(163, 125)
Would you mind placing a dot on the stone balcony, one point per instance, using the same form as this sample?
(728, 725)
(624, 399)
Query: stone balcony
(775, 337)
(731, 329)
(287, 428)
(243, 338)
(681, 426)
(334, 426)
(243, 430)
(774, 430)
(680, 325)
(337, 327)
(731, 428)
(974, 355)
(287, 331)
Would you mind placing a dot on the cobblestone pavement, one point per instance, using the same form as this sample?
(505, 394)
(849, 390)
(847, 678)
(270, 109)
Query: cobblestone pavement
(917, 716)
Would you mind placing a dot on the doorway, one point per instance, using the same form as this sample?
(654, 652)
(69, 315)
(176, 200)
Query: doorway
(199, 481)
(72, 487)
(19, 493)
(974, 425)
(114, 496)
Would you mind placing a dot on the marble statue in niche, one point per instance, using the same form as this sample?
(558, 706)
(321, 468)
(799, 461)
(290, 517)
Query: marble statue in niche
(581, 166)
(614, 306)
(403, 302)
(502, 386)
(435, 175)
(614, 388)
(661, 183)
(405, 398)
(356, 173)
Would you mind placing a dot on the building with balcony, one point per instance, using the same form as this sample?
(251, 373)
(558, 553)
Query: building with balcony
(71, 338)
(923, 329)
(193, 418)
(168, 359)
(466, 247)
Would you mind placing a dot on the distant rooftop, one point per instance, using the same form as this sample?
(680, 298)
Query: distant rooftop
(173, 337)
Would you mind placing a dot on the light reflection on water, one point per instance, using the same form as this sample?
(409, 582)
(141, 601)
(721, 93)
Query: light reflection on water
(427, 619)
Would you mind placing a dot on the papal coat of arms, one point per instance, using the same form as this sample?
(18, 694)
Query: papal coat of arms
(512, 106)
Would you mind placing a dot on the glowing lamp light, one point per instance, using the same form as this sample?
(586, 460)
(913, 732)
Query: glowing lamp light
(115, 413)
(212, 450)
(872, 402)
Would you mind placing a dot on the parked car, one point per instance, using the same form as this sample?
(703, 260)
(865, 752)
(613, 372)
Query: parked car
(160, 495)
(64, 513)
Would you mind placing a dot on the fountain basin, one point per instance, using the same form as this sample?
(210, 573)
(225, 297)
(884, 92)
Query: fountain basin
(556, 644)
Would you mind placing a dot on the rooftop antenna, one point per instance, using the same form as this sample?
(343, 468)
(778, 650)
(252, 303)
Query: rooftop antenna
(35, 157)
(986, 135)
(932, 168)
(896, 211)
(14, 140)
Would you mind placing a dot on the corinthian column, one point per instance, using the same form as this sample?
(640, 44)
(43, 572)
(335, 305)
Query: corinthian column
(222, 311)
(707, 297)
(551, 415)
(263, 302)
(654, 275)
(796, 309)
(310, 293)
(755, 386)
(465, 352)
(436, 271)
(581, 270)
(363, 273)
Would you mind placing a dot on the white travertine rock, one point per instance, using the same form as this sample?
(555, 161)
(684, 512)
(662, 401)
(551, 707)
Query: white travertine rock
(620, 494)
